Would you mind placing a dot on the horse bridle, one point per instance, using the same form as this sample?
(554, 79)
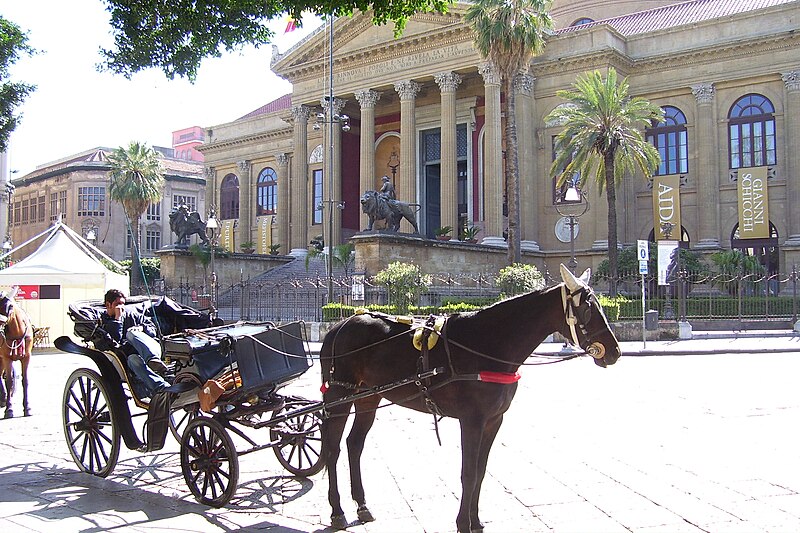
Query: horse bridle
(577, 318)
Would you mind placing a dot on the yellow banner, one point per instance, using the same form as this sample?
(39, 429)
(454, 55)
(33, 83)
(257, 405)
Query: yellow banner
(667, 207)
(753, 204)
(226, 235)
(264, 234)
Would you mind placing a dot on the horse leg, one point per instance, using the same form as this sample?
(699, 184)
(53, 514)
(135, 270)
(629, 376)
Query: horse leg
(365, 416)
(471, 434)
(489, 434)
(25, 360)
(8, 370)
(2, 386)
(332, 430)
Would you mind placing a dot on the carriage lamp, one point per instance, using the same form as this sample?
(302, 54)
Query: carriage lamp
(211, 231)
(573, 205)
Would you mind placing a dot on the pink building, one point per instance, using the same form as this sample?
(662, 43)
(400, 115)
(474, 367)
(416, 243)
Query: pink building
(186, 141)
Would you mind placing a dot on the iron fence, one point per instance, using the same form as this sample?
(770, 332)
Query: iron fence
(693, 295)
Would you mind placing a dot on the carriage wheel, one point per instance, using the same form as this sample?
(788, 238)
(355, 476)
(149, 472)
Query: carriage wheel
(89, 424)
(300, 440)
(179, 419)
(209, 462)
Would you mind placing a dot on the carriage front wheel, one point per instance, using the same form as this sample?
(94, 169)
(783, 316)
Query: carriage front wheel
(89, 424)
(209, 462)
(299, 438)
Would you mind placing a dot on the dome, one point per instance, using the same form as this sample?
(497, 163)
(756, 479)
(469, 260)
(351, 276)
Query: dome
(568, 12)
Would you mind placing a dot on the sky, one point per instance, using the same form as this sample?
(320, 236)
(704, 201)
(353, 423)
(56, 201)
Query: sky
(76, 108)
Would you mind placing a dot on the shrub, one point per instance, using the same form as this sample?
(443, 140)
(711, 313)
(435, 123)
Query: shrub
(519, 278)
(404, 282)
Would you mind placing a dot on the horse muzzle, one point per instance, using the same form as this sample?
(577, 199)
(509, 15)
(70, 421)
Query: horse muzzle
(601, 356)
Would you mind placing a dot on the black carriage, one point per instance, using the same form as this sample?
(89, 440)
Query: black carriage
(247, 363)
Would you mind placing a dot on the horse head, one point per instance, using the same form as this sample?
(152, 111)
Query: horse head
(6, 308)
(585, 322)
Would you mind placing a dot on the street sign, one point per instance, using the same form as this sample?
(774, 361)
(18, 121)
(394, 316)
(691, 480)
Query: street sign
(643, 250)
(642, 267)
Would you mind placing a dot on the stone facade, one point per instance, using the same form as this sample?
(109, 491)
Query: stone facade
(399, 93)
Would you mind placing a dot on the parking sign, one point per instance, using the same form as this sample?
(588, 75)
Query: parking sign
(643, 250)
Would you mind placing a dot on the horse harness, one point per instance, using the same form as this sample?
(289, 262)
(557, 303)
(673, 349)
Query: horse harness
(571, 311)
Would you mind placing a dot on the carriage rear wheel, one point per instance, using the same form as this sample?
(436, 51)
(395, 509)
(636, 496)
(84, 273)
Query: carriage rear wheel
(89, 424)
(179, 419)
(209, 462)
(299, 449)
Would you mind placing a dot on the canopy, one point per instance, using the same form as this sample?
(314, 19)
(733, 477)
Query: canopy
(65, 268)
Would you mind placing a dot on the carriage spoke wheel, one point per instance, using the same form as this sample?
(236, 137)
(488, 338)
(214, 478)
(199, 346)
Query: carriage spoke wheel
(299, 447)
(89, 424)
(209, 462)
(180, 418)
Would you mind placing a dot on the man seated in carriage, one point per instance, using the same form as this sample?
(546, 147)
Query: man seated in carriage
(136, 333)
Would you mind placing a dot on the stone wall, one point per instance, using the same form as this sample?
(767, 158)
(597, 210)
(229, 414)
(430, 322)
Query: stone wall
(180, 266)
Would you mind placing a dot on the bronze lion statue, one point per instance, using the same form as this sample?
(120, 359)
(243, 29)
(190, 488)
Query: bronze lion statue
(377, 207)
(184, 224)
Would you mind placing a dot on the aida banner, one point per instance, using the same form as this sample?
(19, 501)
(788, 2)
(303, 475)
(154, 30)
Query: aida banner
(753, 204)
(667, 206)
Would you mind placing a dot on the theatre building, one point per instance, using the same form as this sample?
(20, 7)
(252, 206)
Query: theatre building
(424, 109)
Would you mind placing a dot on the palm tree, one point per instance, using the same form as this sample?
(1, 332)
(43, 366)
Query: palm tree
(508, 33)
(136, 181)
(602, 139)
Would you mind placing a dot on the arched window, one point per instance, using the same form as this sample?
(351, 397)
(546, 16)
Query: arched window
(229, 198)
(766, 250)
(267, 192)
(582, 21)
(669, 138)
(751, 132)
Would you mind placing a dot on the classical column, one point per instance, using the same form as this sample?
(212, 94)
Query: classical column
(792, 147)
(282, 211)
(367, 99)
(211, 189)
(298, 218)
(707, 181)
(407, 184)
(492, 158)
(448, 171)
(529, 194)
(245, 201)
(332, 185)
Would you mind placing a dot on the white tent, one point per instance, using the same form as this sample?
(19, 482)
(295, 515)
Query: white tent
(64, 269)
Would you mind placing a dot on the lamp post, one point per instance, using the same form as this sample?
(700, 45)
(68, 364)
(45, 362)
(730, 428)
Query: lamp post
(572, 206)
(211, 231)
(394, 163)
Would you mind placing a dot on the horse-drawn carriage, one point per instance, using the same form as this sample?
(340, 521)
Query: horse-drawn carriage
(245, 363)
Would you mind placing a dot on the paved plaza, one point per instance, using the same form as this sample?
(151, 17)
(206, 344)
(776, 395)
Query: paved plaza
(661, 443)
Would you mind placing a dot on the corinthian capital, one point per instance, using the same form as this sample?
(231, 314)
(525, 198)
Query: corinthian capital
(282, 160)
(209, 172)
(244, 166)
(791, 80)
(338, 104)
(407, 89)
(703, 93)
(523, 83)
(448, 82)
(490, 73)
(367, 98)
(301, 113)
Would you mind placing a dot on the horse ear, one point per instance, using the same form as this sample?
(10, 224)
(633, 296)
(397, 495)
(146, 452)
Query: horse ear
(569, 278)
(586, 276)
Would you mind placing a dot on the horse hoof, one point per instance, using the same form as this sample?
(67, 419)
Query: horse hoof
(9, 413)
(364, 515)
(27, 412)
(339, 522)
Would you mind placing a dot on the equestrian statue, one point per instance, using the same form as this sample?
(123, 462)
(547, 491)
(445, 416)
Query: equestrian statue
(383, 205)
(184, 224)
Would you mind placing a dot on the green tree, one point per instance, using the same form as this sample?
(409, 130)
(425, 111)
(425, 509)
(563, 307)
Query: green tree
(508, 33)
(519, 278)
(13, 44)
(404, 282)
(344, 255)
(176, 36)
(602, 140)
(136, 181)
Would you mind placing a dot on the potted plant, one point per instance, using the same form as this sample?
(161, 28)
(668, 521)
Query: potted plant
(443, 233)
(273, 249)
(248, 247)
(470, 233)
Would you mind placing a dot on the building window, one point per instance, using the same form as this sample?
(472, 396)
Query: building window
(16, 216)
(669, 138)
(316, 206)
(229, 198)
(184, 199)
(34, 209)
(751, 132)
(91, 201)
(582, 21)
(152, 240)
(267, 192)
(42, 213)
(26, 211)
(153, 212)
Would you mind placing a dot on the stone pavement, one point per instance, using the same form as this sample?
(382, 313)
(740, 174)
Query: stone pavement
(651, 444)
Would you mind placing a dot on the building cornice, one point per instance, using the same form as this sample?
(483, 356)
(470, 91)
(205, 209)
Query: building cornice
(217, 146)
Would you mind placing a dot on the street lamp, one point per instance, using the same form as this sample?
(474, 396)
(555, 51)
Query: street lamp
(211, 231)
(394, 162)
(572, 206)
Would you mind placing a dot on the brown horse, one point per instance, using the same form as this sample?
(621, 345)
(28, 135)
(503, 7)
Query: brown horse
(17, 342)
(478, 353)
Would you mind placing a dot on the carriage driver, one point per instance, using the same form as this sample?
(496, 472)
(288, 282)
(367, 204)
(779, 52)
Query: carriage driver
(137, 335)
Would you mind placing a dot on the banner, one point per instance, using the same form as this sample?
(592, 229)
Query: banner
(753, 203)
(667, 207)
(667, 262)
(226, 235)
(264, 233)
